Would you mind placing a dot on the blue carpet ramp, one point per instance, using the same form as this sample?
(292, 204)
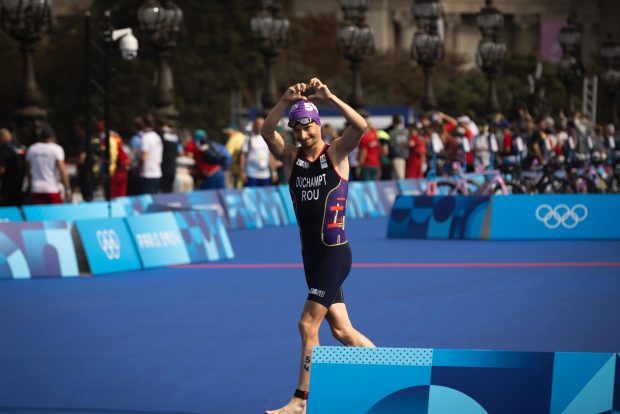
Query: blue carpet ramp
(442, 381)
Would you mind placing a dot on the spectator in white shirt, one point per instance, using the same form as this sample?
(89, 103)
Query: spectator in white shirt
(151, 152)
(45, 164)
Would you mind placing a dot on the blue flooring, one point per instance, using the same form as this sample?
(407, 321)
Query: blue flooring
(181, 340)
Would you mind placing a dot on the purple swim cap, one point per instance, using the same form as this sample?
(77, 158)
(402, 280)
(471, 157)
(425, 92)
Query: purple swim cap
(304, 109)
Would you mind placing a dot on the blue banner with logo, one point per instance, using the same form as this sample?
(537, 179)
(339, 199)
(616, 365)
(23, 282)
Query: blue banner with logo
(439, 217)
(364, 201)
(205, 236)
(158, 239)
(130, 206)
(108, 245)
(37, 249)
(585, 216)
(67, 212)
(434, 381)
(10, 214)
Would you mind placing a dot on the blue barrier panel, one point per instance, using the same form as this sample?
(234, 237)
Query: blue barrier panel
(205, 236)
(412, 186)
(270, 206)
(174, 201)
(586, 216)
(448, 217)
(209, 200)
(130, 206)
(37, 249)
(158, 239)
(67, 212)
(363, 200)
(108, 245)
(285, 194)
(241, 215)
(388, 191)
(440, 381)
(10, 214)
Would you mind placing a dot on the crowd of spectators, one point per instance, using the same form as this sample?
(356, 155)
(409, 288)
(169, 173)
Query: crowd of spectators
(158, 158)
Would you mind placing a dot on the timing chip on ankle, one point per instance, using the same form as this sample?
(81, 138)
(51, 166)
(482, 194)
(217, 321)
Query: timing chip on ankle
(301, 394)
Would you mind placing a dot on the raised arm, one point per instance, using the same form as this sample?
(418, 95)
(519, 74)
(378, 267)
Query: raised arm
(281, 151)
(341, 147)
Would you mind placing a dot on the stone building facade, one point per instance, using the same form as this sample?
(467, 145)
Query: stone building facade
(531, 26)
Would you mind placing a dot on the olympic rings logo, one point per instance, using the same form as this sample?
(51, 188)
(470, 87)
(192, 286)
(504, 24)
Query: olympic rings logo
(109, 243)
(561, 215)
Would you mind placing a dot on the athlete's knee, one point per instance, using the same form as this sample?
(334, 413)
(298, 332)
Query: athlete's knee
(308, 328)
(342, 332)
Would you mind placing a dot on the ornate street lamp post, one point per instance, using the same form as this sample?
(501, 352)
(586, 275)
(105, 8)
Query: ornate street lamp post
(270, 30)
(570, 67)
(610, 74)
(427, 46)
(356, 40)
(27, 21)
(161, 25)
(491, 52)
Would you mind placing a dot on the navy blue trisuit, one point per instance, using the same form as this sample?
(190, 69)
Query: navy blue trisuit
(319, 196)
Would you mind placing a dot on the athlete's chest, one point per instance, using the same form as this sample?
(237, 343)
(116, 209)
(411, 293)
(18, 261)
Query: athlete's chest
(312, 180)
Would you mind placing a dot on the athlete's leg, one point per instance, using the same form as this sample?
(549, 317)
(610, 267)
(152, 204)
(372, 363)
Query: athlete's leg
(309, 324)
(342, 329)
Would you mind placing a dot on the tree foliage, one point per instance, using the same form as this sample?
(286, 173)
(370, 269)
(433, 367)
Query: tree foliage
(216, 56)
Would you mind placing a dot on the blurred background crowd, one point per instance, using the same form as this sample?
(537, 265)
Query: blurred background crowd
(526, 90)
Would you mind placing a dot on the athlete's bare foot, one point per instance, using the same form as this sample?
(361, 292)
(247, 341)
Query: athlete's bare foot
(294, 406)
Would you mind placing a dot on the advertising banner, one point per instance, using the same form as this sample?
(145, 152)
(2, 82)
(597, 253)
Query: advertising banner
(208, 200)
(285, 194)
(364, 200)
(557, 216)
(439, 217)
(37, 249)
(10, 214)
(170, 201)
(67, 212)
(254, 208)
(412, 186)
(205, 236)
(130, 206)
(158, 239)
(432, 381)
(108, 245)
(388, 191)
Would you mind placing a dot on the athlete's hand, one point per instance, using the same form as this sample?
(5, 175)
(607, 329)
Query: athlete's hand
(321, 91)
(294, 93)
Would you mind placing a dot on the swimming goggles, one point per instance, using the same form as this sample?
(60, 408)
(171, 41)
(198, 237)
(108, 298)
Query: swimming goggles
(305, 121)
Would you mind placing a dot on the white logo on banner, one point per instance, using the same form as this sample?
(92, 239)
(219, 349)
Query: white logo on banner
(561, 215)
(109, 243)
